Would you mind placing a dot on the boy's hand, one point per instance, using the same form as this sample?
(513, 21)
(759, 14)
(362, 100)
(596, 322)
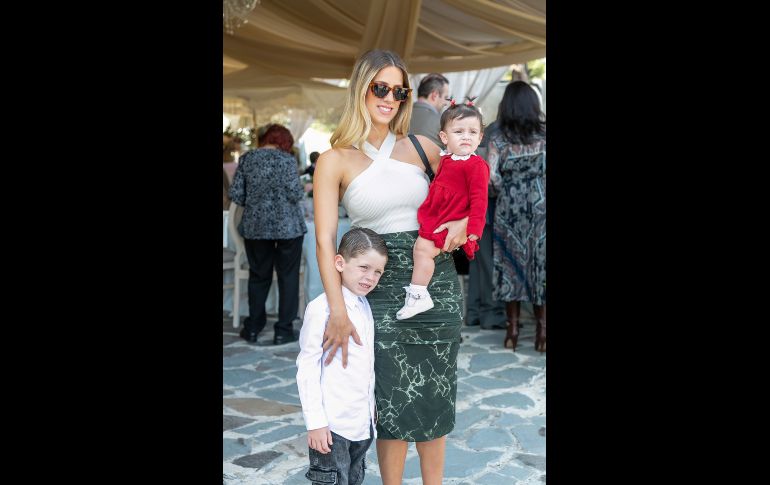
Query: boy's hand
(320, 439)
(473, 237)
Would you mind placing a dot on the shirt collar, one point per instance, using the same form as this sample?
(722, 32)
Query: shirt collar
(351, 299)
(456, 157)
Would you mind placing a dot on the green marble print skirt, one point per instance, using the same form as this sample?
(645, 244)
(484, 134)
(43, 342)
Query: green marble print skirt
(415, 360)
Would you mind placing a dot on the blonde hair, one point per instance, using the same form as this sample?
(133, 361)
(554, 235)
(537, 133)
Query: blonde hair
(356, 123)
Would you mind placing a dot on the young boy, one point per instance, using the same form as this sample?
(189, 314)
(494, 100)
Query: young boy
(337, 402)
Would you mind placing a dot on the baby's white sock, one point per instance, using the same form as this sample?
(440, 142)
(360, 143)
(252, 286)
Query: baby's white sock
(417, 289)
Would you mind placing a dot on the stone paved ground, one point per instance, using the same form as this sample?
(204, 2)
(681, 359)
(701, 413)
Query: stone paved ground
(499, 437)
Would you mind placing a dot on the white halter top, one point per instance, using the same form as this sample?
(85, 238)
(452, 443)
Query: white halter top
(385, 197)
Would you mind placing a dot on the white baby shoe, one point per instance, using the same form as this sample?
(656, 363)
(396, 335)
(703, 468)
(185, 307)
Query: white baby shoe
(414, 304)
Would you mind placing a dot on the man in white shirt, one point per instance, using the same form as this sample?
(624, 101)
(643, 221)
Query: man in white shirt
(432, 97)
(338, 402)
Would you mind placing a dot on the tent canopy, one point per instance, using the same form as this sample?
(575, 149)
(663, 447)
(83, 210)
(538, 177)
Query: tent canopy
(286, 44)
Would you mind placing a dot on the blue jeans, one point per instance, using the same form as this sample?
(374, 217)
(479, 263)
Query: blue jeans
(344, 465)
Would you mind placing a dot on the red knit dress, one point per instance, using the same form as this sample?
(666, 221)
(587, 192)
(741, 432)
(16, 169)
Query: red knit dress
(458, 190)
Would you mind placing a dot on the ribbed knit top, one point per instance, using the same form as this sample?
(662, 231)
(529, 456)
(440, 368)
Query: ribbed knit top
(385, 197)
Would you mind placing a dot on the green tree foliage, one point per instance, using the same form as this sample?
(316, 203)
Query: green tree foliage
(536, 69)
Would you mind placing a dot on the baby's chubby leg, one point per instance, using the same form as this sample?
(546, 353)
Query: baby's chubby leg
(418, 299)
(424, 251)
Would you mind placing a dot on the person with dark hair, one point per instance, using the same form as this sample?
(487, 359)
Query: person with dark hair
(516, 155)
(482, 309)
(375, 169)
(267, 185)
(432, 97)
(310, 170)
(338, 403)
(459, 190)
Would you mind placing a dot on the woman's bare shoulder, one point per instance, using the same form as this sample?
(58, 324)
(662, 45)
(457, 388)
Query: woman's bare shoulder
(335, 159)
(337, 155)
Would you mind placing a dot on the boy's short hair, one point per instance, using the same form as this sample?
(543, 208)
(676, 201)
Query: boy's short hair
(359, 240)
(459, 111)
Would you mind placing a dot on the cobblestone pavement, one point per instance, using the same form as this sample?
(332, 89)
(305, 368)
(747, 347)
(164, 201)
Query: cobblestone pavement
(499, 436)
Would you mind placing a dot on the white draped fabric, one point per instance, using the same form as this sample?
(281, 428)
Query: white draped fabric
(468, 83)
(308, 39)
(273, 62)
(299, 121)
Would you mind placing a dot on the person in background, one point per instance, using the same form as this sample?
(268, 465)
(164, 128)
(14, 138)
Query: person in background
(310, 170)
(482, 309)
(231, 151)
(432, 97)
(267, 185)
(338, 403)
(517, 156)
(227, 137)
(225, 190)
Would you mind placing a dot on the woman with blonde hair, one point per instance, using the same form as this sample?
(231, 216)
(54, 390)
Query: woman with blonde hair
(381, 175)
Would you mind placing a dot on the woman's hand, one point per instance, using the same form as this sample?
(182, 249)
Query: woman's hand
(337, 333)
(456, 235)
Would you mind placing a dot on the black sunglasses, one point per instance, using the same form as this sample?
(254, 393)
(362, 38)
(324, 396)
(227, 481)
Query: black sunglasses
(381, 90)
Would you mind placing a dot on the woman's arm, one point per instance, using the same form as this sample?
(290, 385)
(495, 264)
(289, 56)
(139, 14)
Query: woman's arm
(237, 191)
(326, 194)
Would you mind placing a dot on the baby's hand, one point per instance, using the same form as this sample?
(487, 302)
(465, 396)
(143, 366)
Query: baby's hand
(320, 439)
(473, 237)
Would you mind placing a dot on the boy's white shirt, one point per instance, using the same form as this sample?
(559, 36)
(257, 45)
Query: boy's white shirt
(333, 396)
